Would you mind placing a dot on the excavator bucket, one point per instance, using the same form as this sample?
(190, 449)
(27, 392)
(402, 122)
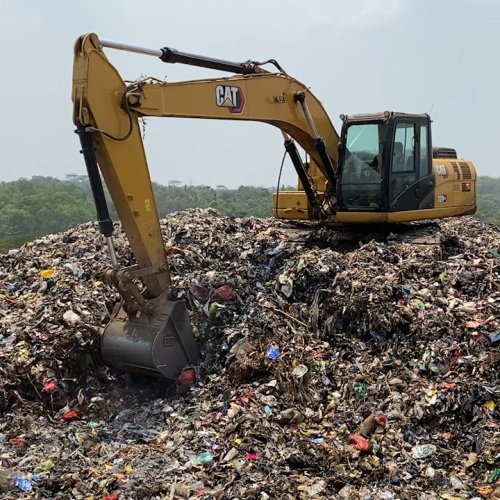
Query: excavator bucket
(161, 343)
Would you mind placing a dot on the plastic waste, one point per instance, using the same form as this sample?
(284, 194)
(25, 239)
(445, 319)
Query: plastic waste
(360, 443)
(494, 475)
(205, 458)
(276, 250)
(273, 353)
(13, 287)
(286, 285)
(47, 273)
(225, 293)
(187, 377)
(420, 451)
(489, 406)
(299, 371)
(114, 496)
(49, 385)
(492, 340)
(69, 416)
(361, 389)
(17, 442)
(23, 484)
(47, 465)
(230, 455)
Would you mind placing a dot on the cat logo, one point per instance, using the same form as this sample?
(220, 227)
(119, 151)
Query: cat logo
(441, 170)
(229, 97)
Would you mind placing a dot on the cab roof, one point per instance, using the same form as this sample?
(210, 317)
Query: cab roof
(383, 116)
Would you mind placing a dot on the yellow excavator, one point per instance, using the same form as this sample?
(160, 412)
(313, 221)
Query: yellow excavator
(381, 169)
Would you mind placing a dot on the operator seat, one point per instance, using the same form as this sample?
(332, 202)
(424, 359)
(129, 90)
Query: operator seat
(398, 159)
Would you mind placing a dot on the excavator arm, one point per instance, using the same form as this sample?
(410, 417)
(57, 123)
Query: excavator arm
(263, 97)
(151, 333)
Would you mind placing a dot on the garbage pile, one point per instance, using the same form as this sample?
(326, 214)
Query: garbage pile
(367, 370)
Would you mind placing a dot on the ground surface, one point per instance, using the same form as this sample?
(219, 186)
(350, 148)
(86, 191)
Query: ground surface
(330, 370)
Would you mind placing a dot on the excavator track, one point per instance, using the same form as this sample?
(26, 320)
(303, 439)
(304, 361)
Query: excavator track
(346, 237)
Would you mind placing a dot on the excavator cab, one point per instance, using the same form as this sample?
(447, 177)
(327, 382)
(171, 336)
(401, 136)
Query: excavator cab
(385, 163)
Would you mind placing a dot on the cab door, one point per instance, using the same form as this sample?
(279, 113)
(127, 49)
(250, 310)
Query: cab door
(426, 179)
(360, 186)
(404, 175)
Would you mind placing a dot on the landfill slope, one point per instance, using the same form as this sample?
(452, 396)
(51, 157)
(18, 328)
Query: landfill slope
(365, 370)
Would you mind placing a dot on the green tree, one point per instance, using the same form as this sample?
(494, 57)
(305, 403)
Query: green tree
(30, 208)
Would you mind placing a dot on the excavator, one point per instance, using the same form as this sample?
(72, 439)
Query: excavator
(381, 169)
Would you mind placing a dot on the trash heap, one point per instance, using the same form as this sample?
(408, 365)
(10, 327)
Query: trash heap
(364, 370)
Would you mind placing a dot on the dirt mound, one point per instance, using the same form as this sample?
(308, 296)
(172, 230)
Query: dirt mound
(367, 370)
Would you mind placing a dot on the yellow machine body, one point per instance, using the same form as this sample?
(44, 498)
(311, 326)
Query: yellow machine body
(151, 333)
(454, 195)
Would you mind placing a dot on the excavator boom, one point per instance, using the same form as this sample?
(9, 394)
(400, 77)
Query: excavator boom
(150, 333)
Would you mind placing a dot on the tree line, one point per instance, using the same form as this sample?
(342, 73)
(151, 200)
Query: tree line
(30, 208)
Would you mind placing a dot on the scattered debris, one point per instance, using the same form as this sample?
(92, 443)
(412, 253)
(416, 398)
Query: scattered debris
(367, 371)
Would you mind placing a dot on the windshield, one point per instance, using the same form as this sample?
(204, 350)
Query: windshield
(364, 143)
(361, 172)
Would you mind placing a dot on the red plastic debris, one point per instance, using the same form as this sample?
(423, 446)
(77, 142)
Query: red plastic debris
(17, 442)
(252, 456)
(49, 385)
(114, 496)
(448, 385)
(225, 294)
(455, 359)
(360, 443)
(69, 416)
(243, 398)
(187, 377)
(381, 420)
(256, 226)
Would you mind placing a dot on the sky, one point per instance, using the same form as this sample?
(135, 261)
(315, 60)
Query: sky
(415, 56)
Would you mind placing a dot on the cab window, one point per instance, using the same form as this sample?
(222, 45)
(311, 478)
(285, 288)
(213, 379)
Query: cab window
(362, 168)
(364, 151)
(425, 164)
(403, 155)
